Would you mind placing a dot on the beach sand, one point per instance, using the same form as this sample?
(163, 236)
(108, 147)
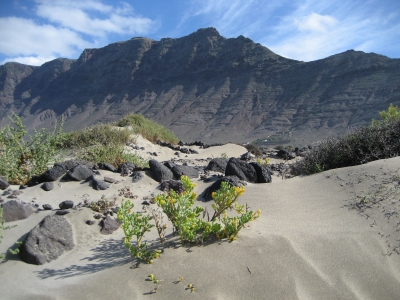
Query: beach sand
(311, 242)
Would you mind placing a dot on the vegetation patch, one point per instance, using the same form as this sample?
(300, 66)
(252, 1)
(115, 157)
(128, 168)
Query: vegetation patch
(148, 128)
(379, 140)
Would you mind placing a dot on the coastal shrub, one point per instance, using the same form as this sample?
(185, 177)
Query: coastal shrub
(23, 155)
(193, 228)
(136, 224)
(379, 140)
(148, 128)
(264, 162)
(100, 134)
(112, 154)
(254, 149)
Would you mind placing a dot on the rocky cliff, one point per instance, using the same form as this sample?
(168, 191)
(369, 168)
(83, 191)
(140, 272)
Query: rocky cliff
(204, 86)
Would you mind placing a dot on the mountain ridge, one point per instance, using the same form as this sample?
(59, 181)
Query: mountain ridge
(204, 86)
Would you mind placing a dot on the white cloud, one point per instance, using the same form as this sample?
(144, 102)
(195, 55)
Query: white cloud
(315, 22)
(25, 37)
(78, 16)
(29, 60)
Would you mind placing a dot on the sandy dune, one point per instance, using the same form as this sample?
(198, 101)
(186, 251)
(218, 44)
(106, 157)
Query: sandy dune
(311, 242)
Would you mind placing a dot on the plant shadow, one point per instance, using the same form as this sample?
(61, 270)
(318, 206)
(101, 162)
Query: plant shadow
(108, 254)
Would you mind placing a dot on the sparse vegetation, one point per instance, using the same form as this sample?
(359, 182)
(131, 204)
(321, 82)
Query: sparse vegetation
(254, 149)
(103, 204)
(1, 223)
(148, 128)
(24, 155)
(379, 140)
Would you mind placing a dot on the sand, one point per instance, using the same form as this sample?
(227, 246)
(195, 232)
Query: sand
(311, 242)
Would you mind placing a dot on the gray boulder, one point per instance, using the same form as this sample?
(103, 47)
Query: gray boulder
(136, 176)
(126, 168)
(109, 225)
(47, 186)
(160, 171)
(175, 185)
(47, 207)
(80, 172)
(47, 241)
(14, 210)
(53, 174)
(218, 165)
(107, 166)
(3, 183)
(66, 204)
(185, 170)
(98, 184)
(263, 173)
(241, 169)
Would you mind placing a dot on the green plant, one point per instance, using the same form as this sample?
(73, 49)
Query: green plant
(224, 155)
(23, 157)
(112, 154)
(177, 207)
(16, 251)
(100, 134)
(187, 221)
(264, 162)
(135, 224)
(391, 114)
(156, 281)
(148, 128)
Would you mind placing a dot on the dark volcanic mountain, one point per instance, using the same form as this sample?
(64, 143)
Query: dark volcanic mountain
(204, 86)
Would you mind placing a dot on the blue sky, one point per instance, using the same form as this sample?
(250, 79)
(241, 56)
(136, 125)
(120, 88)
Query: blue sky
(36, 31)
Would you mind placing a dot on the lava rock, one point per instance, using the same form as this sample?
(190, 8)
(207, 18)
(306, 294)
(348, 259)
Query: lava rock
(99, 184)
(109, 225)
(160, 171)
(66, 204)
(54, 173)
(175, 185)
(79, 173)
(62, 212)
(47, 186)
(48, 240)
(231, 180)
(136, 176)
(90, 222)
(14, 210)
(185, 170)
(218, 165)
(126, 168)
(107, 166)
(3, 183)
(241, 169)
(263, 173)
(47, 207)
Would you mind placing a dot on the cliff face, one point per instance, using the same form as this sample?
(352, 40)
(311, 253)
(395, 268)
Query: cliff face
(204, 86)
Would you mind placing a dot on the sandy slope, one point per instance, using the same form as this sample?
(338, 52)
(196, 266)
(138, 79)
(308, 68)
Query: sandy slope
(307, 244)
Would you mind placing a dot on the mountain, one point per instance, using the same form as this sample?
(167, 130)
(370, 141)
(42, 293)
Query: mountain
(204, 87)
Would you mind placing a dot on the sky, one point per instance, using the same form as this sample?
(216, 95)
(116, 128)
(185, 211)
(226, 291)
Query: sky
(36, 31)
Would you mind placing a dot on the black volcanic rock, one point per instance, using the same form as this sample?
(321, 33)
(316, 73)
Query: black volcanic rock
(160, 171)
(204, 86)
(244, 171)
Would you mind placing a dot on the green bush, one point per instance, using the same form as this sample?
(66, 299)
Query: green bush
(23, 155)
(148, 128)
(100, 134)
(377, 141)
(112, 154)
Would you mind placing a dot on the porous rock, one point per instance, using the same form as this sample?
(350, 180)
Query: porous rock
(126, 168)
(47, 186)
(263, 173)
(218, 164)
(109, 225)
(80, 172)
(175, 185)
(3, 183)
(48, 240)
(160, 171)
(241, 169)
(66, 204)
(14, 210)
(136, 176)
(185, 170)
(54, 173)
(98, 184)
